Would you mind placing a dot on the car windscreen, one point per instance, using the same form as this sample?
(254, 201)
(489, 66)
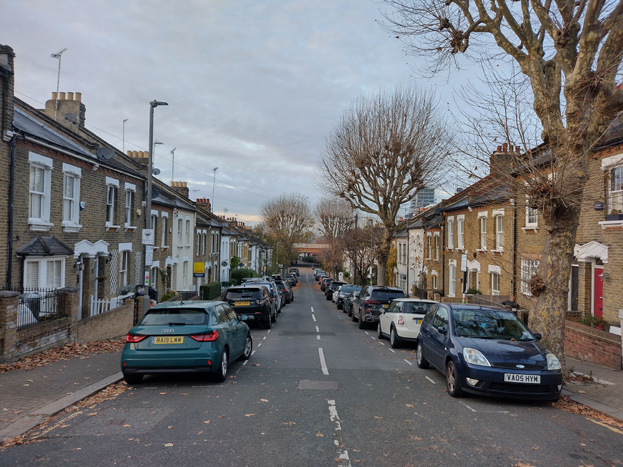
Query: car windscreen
(174, 317)
(489, 324)
(387, 294)
(239, 294)
(419, 308)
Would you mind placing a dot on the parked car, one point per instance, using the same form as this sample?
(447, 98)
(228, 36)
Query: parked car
(291, 279)
(294, 271)
(324, 282)
(344, 292)
(274, 293)
(487, 351)
(254, 302)
(332, 288)
(401, 321)
(372, 300)
(194, 336)
(286, 292)
(317, 273)
(348, 302)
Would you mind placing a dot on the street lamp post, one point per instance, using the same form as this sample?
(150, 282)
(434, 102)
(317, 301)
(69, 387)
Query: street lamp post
(149, 247)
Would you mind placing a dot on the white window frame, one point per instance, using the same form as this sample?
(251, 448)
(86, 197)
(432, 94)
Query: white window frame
(112, 185)
(71, 205)
(482, 220)
(163, 227)
(130, 195)
(43, 281)
(40, 222)
(437, 245)
(198, 253)
(434, 280)
(429, 246)
(529, 267)
(187, 223)
(180, 226)
(498, 219)
(185, 275)
(614, 167)
(450, 233)
(460, 232)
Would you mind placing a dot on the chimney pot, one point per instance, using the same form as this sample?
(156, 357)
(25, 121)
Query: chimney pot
(505, 147)
(499, 148)
(70, 96)
(517, 149)
(61, 96)
(54, 95)
(79, 96)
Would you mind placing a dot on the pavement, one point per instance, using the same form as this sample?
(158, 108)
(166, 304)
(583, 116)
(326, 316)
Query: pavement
(27, 397)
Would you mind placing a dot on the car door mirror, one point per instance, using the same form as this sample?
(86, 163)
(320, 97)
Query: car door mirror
(538, 336)
(442, 329)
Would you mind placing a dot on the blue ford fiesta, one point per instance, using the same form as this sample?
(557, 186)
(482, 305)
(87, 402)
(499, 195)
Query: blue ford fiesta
(487, 351)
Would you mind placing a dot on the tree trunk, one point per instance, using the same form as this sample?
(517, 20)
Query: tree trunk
(551, 287)
(381, 266)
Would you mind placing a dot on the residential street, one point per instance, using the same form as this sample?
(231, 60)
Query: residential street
(317, 391)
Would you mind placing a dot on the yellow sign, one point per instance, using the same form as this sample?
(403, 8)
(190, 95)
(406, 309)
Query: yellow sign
(198, 270)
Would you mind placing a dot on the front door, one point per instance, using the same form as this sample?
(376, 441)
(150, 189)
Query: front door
(598, 292)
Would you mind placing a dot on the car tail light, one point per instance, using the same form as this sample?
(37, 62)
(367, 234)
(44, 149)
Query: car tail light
(401, 321)
(210, 336)
(133, 338)
(371, 302)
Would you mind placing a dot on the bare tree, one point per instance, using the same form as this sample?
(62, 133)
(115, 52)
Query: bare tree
(287, 221)
(382, 152)
(335, 217)
(332, 258)
(361, 246)
(571, 54)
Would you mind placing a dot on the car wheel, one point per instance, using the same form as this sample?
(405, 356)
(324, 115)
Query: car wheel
(221, 371)
(379, 333)
(248, 348)
(362, 324)
(394, 340)
(453, 386)
(419, 359)
(132, 378)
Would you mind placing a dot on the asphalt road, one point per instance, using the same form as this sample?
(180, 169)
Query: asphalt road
(317, 391)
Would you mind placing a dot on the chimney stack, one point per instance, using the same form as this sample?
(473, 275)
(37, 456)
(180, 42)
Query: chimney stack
(67, 108)
(181, 188)
(204, 203)
(7, 84)
(502, 160)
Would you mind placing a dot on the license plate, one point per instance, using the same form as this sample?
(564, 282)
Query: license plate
(386, 306)
(169, 340)
(242, 303)
(518, 378)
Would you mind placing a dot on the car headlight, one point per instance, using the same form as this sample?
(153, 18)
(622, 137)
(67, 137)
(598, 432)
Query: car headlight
(552, 362)
(475, 357)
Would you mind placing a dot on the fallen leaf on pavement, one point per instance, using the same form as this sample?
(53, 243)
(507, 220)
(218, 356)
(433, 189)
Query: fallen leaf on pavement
(168, 445)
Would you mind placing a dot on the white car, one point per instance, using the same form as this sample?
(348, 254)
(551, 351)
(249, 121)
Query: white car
(401, 321)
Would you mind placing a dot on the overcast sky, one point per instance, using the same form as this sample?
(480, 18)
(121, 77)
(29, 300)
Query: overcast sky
(254, 86)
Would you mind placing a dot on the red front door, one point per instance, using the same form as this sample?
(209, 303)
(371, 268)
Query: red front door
(598, 292)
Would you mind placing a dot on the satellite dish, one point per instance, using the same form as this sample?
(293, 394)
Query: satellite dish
(105, 153)
(224, 264)
(155, 171)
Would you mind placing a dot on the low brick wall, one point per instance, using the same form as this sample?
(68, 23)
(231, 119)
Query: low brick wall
(41, 336)
(592, 345)
(114, 323)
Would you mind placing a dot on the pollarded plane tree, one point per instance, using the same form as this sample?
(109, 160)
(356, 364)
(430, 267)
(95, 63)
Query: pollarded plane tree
(384, 149)
(570, 52)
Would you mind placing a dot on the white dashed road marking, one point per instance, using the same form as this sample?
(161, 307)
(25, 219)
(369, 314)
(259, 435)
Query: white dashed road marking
(342, 453)
(323, 363)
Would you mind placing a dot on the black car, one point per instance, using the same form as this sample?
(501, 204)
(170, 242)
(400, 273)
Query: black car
(344, 292)
(487, 351)
(330, 290)
(287, 292)
(254, 302)
(348, 302)
(291, 279)
(324, 283)
(294, 271)
(371, 302)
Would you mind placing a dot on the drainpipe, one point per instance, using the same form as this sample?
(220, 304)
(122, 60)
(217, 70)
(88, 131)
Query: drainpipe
(9, 265)
(514, 230)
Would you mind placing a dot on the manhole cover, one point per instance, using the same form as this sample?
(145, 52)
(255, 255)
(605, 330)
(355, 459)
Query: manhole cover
(324, 385)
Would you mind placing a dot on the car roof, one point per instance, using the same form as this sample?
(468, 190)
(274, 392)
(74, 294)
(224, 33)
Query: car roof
(416, 300)
(205, 304)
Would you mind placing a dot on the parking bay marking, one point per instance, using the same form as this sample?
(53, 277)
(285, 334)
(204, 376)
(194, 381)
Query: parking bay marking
(342, 453)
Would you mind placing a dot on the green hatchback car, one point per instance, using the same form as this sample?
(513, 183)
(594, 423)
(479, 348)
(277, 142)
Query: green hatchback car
(195, 336)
